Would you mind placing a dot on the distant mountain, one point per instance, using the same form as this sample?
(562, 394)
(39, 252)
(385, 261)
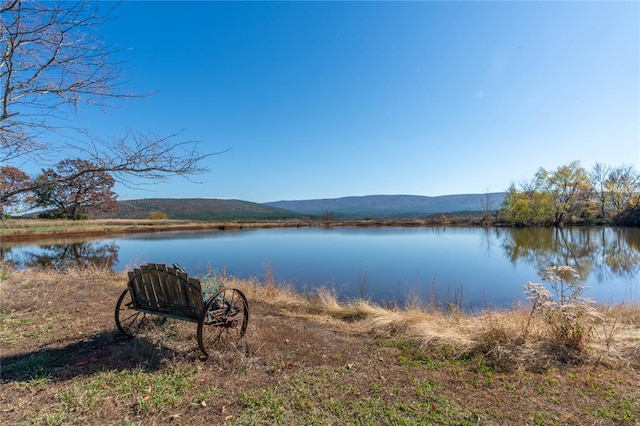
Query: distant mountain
(371, 206)
(201, 209)
(394, 205)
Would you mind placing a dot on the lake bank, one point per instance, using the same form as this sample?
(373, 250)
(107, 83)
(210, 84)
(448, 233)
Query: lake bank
(306, 359)
(32, 229)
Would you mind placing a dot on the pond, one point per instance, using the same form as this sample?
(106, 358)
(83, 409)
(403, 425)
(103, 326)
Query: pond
(471, 267)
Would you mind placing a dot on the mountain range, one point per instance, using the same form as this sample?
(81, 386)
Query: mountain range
(394, 205)
(357, 207)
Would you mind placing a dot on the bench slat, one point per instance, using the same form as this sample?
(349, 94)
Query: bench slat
(138, 291)
(147, 283)
(165, 291)
(160, 296)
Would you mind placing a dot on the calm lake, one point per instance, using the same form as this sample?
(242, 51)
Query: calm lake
(475, 267)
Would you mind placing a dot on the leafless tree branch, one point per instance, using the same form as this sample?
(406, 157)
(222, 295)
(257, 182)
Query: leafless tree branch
(52, 60)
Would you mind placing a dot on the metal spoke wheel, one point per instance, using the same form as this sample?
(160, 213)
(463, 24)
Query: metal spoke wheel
(225, 319)
(129, 320)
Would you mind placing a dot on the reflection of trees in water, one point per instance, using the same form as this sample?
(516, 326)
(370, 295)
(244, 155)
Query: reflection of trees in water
(7, 257)
(534, 246)
(622, 254)
(604, 251)
(61, 256)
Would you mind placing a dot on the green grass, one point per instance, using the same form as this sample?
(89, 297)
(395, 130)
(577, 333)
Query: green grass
(140, 390)
(303, 399)
(33, 369)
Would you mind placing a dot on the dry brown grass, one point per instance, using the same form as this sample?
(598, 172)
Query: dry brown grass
(63, 362)
(16, 230)
(498, 334)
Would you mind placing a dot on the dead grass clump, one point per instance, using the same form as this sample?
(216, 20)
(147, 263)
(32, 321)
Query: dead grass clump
(515, 339)
(568, 316)
(617, 340)
(497, 337)
(278, 296)
(628, 314)
(325, 301)
(424, 327)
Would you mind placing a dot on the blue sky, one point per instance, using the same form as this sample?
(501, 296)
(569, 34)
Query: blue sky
(331, 99)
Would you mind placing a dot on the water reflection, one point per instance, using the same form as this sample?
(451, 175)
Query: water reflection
(62, 256)
(605, 252)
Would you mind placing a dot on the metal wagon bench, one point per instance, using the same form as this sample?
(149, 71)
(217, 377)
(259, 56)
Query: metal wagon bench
(222, 313)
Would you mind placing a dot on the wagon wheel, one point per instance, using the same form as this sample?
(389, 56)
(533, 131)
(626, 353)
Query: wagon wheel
(129, 320)
(225, 319)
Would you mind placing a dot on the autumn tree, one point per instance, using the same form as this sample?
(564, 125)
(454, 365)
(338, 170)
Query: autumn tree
(570, 194)
(527, 204)
(75, 189)
(54, 61)
(11, 179)
(551, 197)
(570, 188)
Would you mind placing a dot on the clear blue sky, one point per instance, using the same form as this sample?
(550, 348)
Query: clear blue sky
(332, 99)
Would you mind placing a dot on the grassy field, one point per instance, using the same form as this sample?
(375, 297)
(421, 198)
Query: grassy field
(305, 360)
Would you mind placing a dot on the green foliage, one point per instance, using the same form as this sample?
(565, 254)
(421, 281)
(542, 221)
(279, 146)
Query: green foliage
(527, 207)
(570, 189)
(570, 194)
(36, 367)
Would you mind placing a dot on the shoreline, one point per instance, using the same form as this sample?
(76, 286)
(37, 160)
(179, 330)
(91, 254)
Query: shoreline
(16, 230)
(25, 231)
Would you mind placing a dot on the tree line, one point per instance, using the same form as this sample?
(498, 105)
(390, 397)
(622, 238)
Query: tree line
(572, 194)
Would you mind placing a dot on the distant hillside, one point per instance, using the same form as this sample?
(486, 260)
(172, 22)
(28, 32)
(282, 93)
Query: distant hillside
(201, 209)
(394, 205)
(371, 206)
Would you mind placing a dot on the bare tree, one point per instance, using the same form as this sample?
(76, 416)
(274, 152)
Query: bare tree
(53, 61)
(623, 185)
(599, 176)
